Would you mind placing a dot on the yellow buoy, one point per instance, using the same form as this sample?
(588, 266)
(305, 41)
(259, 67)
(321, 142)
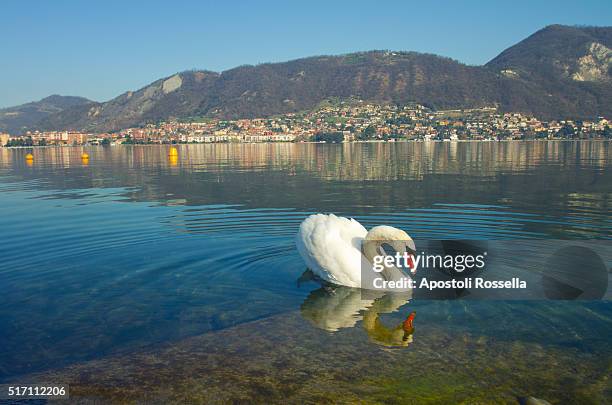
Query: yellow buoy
(84, 156)
(173, 152)
(173, 159)
(29, 156)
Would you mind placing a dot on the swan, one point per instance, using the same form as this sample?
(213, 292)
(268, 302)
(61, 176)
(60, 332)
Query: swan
(335, 308)
(336, 249)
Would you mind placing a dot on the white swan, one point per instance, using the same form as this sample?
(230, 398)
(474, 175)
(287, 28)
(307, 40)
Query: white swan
(334, 308)
(336, 249)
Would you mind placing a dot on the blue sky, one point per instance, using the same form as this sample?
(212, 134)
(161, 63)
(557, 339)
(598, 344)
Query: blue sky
(99, 49)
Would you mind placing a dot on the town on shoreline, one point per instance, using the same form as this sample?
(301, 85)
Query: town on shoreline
(335, 123)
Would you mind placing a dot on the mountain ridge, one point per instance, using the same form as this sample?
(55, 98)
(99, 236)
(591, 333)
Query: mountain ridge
(557, 72)
(26, 116)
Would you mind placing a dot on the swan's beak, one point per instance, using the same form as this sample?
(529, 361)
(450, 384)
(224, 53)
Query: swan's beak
(411, 250)
(408, 323)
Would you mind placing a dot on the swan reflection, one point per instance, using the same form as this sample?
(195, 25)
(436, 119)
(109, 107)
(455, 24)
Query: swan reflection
(335, 307)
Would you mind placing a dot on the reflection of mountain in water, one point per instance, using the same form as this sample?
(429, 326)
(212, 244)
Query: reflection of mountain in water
(568, 179)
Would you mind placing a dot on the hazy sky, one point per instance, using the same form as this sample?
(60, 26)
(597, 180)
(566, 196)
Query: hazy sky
(99, 49)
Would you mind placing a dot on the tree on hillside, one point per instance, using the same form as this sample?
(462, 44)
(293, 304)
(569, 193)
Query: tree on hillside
(368, 133)
(566, 131)
(328, 137)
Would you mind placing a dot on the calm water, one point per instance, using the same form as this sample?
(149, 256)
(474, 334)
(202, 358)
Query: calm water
(130, 252)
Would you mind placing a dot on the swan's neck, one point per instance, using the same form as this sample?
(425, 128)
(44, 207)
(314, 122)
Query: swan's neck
(371, 249)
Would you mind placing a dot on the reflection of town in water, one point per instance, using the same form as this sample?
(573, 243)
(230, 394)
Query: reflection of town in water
(569, 178)
(350, 161)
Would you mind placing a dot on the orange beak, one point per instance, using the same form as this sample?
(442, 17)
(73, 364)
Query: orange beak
(407, 325)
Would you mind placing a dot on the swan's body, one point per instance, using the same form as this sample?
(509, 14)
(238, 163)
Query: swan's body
(334, 308)
(333, 248)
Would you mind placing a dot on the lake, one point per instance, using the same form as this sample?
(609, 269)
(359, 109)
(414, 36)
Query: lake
(137, 276)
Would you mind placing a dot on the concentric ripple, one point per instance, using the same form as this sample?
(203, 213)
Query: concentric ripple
(130, 249)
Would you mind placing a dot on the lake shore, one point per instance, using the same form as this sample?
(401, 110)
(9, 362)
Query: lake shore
(282, 359)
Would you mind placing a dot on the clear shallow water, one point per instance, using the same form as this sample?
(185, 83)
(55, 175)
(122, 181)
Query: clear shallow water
(131, 251)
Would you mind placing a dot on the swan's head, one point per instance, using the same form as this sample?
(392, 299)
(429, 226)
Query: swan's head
(380, 238)
(398, 239)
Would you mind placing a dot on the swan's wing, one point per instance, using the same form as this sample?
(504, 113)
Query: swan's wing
(330, 246)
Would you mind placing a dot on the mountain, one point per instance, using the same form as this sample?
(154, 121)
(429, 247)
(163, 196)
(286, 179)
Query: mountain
(558, 72)
(27, 116)
(267, 89)
(572, 65)
(581, 54)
